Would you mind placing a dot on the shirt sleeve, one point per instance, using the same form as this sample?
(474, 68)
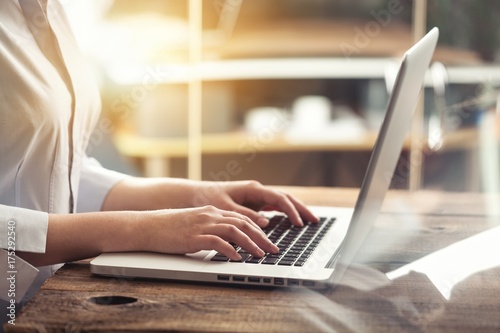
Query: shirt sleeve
(28, 227)
(95, 183)
(20, 230)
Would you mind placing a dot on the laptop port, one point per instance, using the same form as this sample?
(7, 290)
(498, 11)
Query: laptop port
(279, 281)
(292, 283)
(266, 280)
(239, 278)
(223, 277)
(253, 279)
(308, 283)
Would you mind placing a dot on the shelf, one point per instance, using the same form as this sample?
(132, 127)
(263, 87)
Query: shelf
(133, 145)
(250, 69)
(287, 68)
(474, 74)
(157, 153)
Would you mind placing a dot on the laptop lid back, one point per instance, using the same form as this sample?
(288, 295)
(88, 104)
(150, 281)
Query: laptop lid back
(387, 149)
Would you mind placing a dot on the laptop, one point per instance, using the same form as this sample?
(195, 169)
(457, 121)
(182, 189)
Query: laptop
(317, 255)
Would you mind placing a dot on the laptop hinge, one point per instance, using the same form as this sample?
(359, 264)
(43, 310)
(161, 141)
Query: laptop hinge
(333, 260)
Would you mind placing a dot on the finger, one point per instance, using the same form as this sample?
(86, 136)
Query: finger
(258, 237)
(238, 213)
(269, 197)
(245, 236)
(212, 242)
(295, 209)
(303, 211)
(257, 218)
(284, 204)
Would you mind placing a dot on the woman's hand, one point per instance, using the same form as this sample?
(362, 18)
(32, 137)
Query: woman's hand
(203, 228)
(187, 230)
(249, 197)
(244, 197)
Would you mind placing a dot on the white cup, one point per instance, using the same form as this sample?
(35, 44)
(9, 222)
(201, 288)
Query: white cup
(265, 118)
(310, 113)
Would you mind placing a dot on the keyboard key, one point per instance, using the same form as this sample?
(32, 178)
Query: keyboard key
(290, 257)
(299, 263)
(286, 262)
(270, 261)
(303, 257)
(276, 255)
(273, 238)
(253, 260)
(244, 256)
(219, 258)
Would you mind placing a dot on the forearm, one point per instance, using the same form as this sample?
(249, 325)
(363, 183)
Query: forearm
(79, 236)
(150, 194)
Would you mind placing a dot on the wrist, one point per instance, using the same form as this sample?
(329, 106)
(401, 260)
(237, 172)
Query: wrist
(122, 231)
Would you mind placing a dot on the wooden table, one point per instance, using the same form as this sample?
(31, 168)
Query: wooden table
(410, 227)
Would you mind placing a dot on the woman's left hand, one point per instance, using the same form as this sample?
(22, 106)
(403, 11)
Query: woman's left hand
(250, 197)
(245, 197)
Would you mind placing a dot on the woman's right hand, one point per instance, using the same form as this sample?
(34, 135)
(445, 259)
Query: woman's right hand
(190, 230)
(187, 230)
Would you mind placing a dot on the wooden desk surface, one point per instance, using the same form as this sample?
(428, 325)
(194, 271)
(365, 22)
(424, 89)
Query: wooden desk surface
(409, 227)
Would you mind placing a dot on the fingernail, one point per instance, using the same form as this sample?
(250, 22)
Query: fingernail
(261, 253)
(262, 221)
(275, 248)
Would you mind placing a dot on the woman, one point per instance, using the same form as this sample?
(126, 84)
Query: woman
(61, 205)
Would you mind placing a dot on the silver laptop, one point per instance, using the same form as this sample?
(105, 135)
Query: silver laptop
(316, 255)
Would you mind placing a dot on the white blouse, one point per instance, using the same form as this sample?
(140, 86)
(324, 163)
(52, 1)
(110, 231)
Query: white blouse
(48, 108)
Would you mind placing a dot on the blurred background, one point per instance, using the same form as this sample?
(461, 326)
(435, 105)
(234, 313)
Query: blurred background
(292, 91)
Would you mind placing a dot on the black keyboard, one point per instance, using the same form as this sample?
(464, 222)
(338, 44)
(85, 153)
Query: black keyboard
(296, 244)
